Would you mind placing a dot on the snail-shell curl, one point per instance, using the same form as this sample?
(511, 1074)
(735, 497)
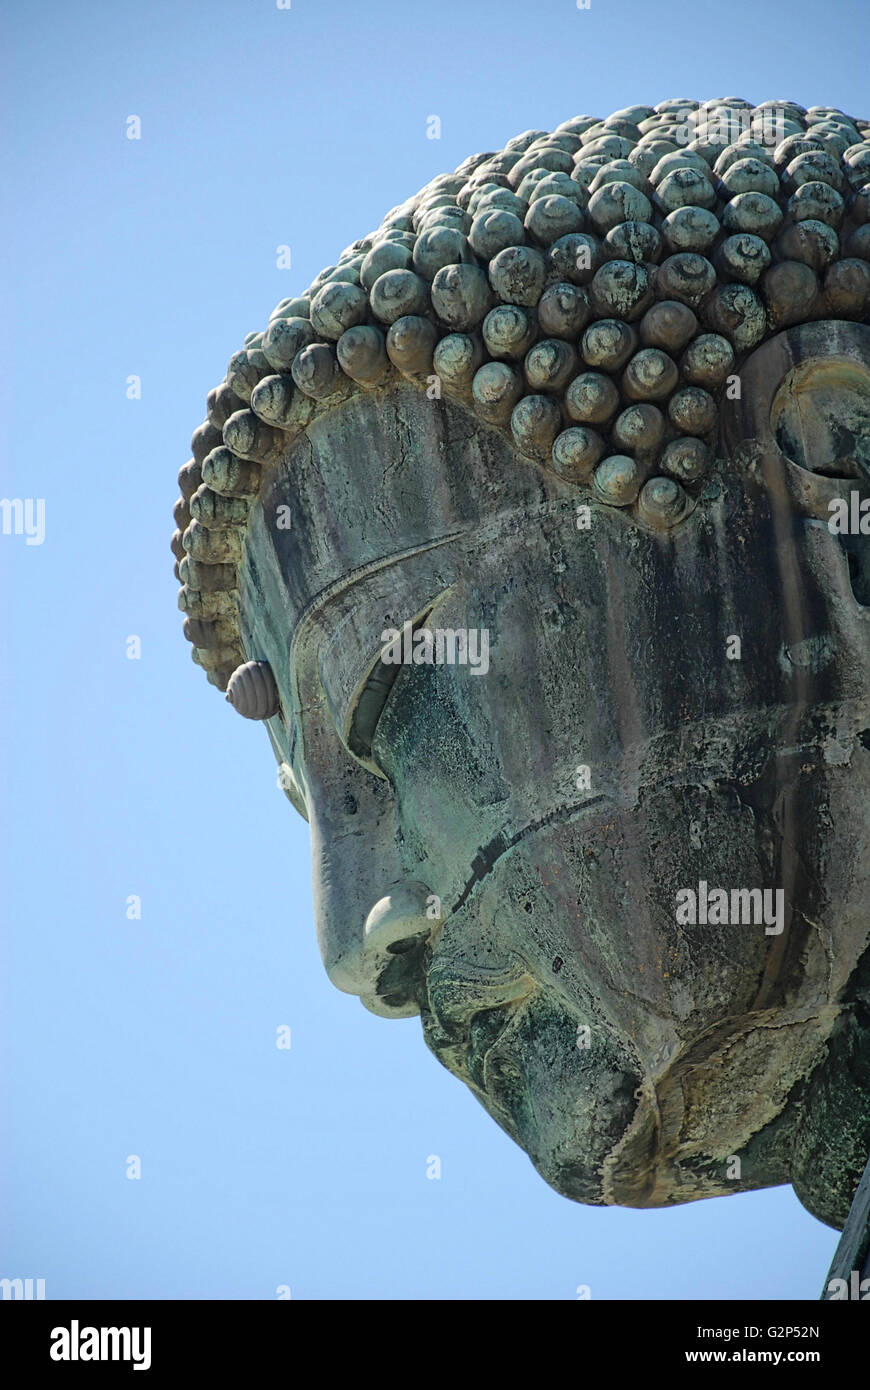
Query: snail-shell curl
(252, 691)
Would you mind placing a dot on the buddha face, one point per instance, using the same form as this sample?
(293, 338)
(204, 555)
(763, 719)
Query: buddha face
(534, 532)
(529, 734)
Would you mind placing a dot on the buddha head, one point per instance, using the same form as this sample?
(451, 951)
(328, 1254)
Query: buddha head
(532, 532)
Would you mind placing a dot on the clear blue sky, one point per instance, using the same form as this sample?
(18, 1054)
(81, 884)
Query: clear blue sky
(156, 1037)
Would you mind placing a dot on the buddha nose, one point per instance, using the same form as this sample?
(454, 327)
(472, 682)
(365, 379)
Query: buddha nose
(373, 910)
(396, 930)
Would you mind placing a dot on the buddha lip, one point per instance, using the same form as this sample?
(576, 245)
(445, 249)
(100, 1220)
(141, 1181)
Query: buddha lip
(475, 990)
(479, 1051)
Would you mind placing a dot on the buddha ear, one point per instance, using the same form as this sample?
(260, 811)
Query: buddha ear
(802, 415)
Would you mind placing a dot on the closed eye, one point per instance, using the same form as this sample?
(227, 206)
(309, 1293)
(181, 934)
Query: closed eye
(371, 701)
(368, 709)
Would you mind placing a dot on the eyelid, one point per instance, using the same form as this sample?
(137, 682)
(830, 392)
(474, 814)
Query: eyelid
(368, 709)
(370, 703)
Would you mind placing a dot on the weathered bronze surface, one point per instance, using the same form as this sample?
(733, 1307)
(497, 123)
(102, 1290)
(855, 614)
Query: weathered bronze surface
(593, 413)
